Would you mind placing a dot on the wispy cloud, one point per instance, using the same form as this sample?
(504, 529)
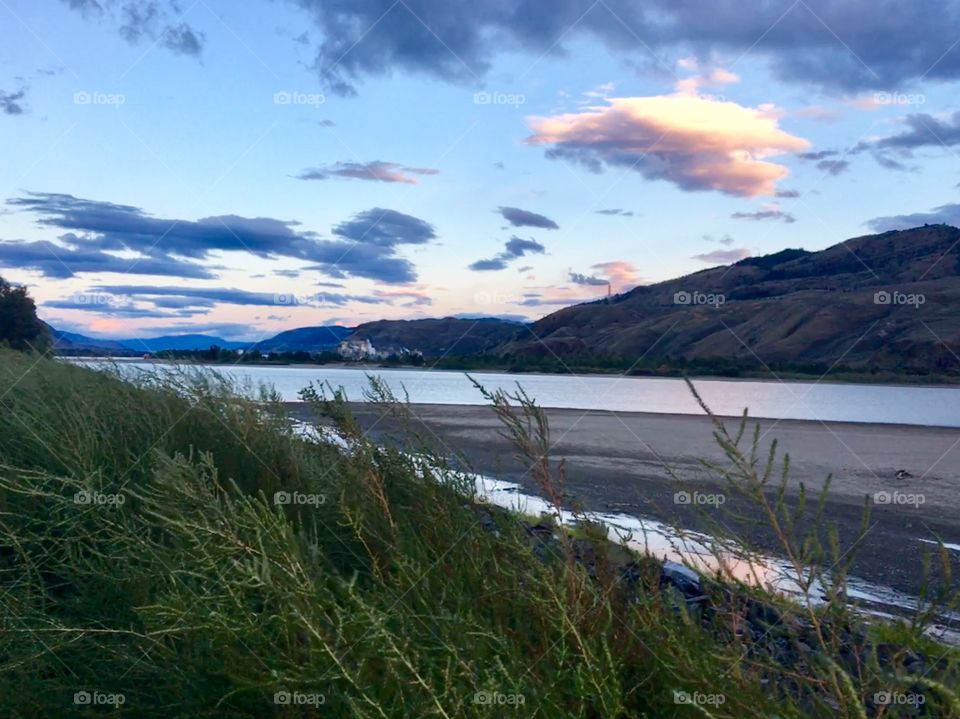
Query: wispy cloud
(11, 103)
(767, 212)
(375, 170)
(948, 214)
(525, 218)
(512, 249)
(618, 274)
(365, 246)
(155, 22)
(723, 257)
(229, 296)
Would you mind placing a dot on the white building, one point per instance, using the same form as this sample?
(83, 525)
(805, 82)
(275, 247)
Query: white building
(356, 350)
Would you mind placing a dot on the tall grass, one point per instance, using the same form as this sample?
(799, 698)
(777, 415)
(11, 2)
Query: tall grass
(149, 565)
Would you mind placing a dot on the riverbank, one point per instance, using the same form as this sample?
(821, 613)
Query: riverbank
(618, 462)
(171, 548)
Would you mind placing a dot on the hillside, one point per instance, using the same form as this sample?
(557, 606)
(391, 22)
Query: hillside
(71, 342)
(436, 337)
(180, 342)
(790, 307)
(306, 339)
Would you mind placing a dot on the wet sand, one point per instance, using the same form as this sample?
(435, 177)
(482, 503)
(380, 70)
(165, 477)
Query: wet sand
(618, 461)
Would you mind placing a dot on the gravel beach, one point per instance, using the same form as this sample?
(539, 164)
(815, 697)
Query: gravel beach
(617, 462)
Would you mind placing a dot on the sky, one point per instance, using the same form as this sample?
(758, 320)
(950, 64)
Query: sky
(243, 168)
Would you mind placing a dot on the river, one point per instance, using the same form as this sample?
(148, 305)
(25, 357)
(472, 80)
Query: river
(824, 401)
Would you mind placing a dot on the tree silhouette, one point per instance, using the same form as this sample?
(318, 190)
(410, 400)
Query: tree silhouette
(20, 328)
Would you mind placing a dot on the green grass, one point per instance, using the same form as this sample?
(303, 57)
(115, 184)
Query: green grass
(188, 591)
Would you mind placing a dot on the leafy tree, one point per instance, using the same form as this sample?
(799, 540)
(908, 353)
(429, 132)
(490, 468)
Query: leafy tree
(20, 328)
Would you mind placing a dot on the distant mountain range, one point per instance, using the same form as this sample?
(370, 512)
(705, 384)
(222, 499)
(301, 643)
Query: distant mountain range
(431, 336)
(879, 302)
(70, 341)
(73, 342)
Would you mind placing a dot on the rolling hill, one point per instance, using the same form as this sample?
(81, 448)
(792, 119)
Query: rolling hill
(885, 302)
(306, 339)
(73, 342)
(180, 342)
(435, 337)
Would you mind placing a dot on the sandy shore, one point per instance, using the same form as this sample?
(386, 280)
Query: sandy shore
(619, 462)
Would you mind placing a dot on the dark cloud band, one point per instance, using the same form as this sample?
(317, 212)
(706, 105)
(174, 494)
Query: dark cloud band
(364, 246)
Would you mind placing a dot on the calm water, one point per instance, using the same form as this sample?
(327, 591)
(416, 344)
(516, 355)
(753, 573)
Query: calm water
(936, 406)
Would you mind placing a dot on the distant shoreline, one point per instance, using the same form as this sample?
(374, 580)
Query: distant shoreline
(904, 381)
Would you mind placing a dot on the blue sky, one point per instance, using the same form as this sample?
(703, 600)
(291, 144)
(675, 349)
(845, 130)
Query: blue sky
(246, 168)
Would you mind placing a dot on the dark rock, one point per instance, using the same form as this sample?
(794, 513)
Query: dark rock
(586, 555)
(681, 577)
(631, 574)
(762, 614)
(487, 522)
(542, 538)
(541, 530)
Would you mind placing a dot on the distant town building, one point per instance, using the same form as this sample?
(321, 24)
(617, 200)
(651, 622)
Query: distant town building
(356, 350)
(364, 350)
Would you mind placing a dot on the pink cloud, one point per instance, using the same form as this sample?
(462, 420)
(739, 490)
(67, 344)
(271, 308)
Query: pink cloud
(817, 112)
(413, 295)
(620, 273)
(698, 143)
(710, 77)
